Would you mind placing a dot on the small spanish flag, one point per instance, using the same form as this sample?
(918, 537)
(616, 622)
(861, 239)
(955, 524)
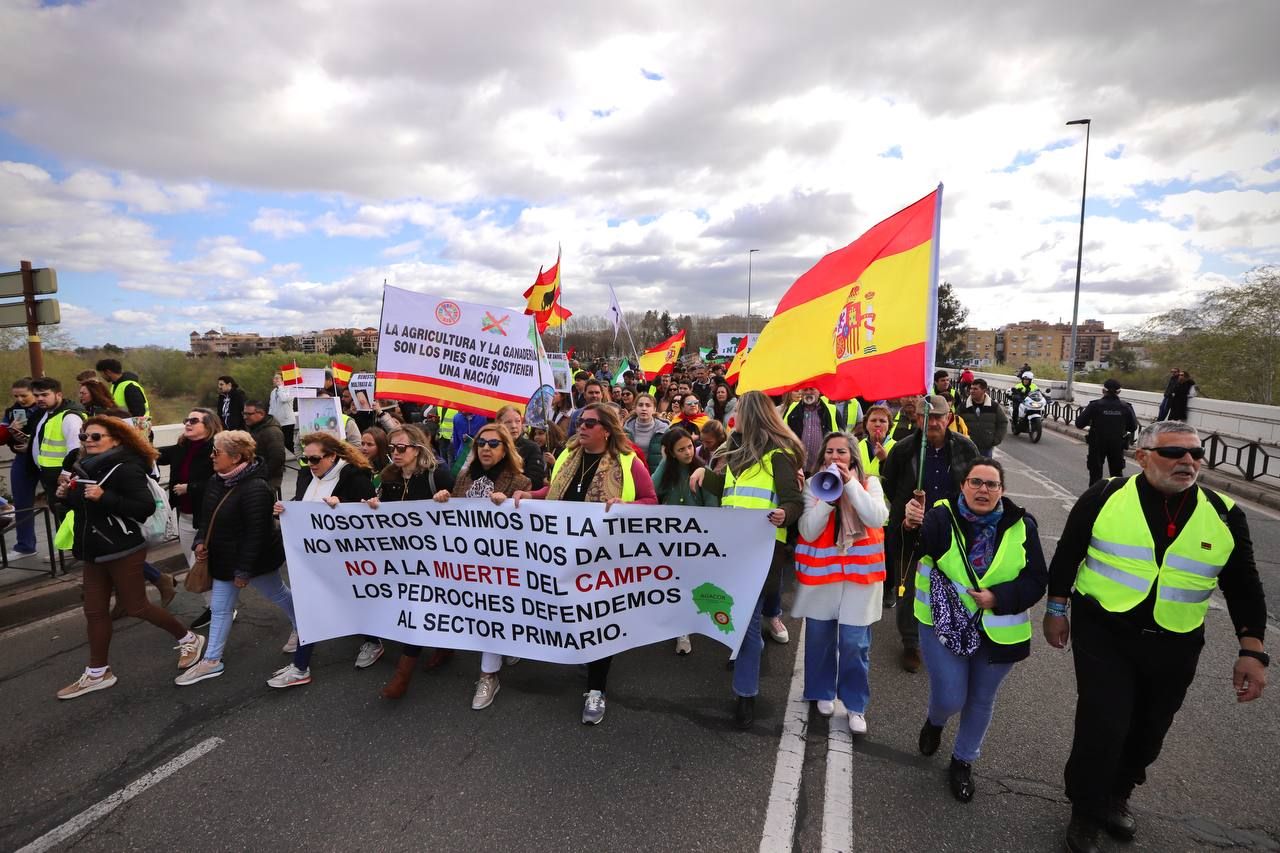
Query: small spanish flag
(662, 358)
(341, 373)
(291, 374)
(544, 299)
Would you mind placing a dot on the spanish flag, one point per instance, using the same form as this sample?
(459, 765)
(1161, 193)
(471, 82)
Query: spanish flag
(341, 373)
(544, 298)
(291, 374)
(662, 358)
(862, 322)
(739, 359)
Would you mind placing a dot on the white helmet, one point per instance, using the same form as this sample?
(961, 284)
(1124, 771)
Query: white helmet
(1028, 375)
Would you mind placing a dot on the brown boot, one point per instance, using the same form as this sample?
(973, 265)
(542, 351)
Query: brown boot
(167, 588)
(399, 682)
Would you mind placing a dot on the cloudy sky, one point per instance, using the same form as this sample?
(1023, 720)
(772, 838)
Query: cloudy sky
(265, 166)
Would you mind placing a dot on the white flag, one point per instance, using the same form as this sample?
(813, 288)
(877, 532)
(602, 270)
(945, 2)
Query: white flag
(615, 312)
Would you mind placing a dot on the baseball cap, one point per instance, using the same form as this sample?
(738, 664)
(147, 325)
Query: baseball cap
(938, 405)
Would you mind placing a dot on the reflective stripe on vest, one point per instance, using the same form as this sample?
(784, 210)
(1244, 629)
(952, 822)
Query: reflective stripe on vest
(754, 489)
(1119, 568)
(626, 460)
(871, 464)
(820, 561)
(117, 394)
(52, 451)
(1009, 561)
(446, 423)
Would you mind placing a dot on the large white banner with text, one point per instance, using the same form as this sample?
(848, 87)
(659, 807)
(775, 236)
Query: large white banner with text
(553, 580)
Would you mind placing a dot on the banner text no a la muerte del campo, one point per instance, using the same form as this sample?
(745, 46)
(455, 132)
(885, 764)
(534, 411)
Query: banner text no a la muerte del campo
(554, 581)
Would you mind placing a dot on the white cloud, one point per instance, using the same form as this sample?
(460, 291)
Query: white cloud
(401, 249)
(278, 223)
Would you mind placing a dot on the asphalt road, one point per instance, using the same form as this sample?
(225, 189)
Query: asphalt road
(331, 766)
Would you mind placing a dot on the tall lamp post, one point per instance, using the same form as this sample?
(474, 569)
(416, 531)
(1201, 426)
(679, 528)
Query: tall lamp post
(1075, 305)
(750, 252)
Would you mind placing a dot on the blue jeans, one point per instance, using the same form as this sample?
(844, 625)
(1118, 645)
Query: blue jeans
(837, 659)
(746, 670)
(966, 686)
(223, 606)
(23, 478)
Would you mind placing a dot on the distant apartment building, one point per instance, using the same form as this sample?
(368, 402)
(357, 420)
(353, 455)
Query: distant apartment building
(230, 344)
(1035, 340)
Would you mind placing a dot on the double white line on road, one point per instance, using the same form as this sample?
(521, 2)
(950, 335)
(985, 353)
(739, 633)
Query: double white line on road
(80, 822)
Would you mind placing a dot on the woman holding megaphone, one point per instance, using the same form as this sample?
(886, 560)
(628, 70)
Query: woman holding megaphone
(840, 578)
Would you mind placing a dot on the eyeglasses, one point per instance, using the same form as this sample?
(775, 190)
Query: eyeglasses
(491, 443)
(402, 448)
(192, 421)
(1197, 453)
(215, 452)
(589, 423)
(979, 483)
(92, 436)
(313, 460)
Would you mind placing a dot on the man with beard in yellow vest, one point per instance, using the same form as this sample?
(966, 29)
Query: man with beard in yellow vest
(1145, 553)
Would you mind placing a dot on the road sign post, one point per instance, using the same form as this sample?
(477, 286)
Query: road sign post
(27, 283)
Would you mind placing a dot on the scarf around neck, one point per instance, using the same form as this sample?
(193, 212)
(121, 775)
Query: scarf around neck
(606, 482)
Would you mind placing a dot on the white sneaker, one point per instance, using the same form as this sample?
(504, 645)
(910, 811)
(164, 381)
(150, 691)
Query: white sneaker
(775, 629)
(486, 688)
(857, 723)
(291, 645)
(290, 676)
(826, 707)
(370, 651)
(683, 646)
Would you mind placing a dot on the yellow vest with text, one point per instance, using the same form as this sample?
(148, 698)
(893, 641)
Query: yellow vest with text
(628, 481)
(753, 489)
(1120, 568)
(117, 394)
(53, 445)
(1009, 561)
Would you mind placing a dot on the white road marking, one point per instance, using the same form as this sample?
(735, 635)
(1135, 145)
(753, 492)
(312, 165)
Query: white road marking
(784, 795)
(837, 806)
(40, 623)
(105, 807)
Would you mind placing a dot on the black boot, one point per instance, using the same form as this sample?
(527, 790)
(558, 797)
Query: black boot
(745, 712)
(961, 777)
(930, 738)
(1082, 834)
(1119, 821)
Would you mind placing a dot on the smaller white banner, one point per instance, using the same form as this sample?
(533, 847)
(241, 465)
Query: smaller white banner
(320, 414)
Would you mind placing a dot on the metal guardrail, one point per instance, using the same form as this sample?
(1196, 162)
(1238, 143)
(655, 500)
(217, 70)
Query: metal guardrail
(1235, 457)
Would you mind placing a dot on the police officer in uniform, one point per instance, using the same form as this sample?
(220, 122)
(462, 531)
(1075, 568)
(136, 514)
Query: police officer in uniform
(1144, 554)
(1110, 422)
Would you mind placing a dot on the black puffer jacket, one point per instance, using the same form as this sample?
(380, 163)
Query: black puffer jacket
(198, 475)
(110, 527)
(245, 541)
(420, 487)
(354, 484)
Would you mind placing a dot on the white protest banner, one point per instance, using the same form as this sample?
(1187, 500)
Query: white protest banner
(361, 387)
(312, 377)
(561, 374)
(476, 358)
(297, 391)
(555, 581)
(727, 342)
(320, 414)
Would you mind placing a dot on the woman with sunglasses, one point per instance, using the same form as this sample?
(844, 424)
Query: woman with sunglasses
(840, 581)
(535, 467)
(190, 470)
(336, 472)
(760, 473)
(239, 538)
(979, 570)
(495, 471)
(109, 495)
(598, 466)
(413, 475)
(690, 416)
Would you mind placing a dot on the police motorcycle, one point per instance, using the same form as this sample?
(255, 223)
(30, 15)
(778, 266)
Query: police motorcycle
(1032, 419)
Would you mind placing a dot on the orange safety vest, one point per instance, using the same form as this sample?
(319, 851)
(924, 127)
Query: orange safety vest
(820, 561)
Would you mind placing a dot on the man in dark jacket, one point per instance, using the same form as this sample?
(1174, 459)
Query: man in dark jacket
(946, 454)
(987, 422)
(811, 418)
(230, 403)
(266, 431)
(1110, 422)
(126, 389)
(1174, 375)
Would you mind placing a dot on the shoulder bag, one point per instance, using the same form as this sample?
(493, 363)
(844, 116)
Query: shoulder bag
(198, 578)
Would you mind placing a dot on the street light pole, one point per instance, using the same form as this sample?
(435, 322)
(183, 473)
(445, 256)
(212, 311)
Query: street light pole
(750, 252)
(1075, 305)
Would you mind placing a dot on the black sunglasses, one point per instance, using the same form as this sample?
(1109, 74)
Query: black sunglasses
(491, 443)
(313, 460)
(1197, 453)
(92, 436)
(401, 448)
(589, 423)
(192, 421)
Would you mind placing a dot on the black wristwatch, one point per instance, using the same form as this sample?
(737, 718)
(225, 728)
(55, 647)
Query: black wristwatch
(1259, 656)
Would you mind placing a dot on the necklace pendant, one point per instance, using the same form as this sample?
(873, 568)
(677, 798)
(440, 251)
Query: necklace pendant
(1171, 530)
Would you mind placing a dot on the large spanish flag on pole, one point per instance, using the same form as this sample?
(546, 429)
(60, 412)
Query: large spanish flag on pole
(862, 322)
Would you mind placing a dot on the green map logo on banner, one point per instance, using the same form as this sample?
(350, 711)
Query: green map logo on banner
(716, 603)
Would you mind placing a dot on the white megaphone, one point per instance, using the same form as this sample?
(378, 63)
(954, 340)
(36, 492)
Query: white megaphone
(827, 484)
